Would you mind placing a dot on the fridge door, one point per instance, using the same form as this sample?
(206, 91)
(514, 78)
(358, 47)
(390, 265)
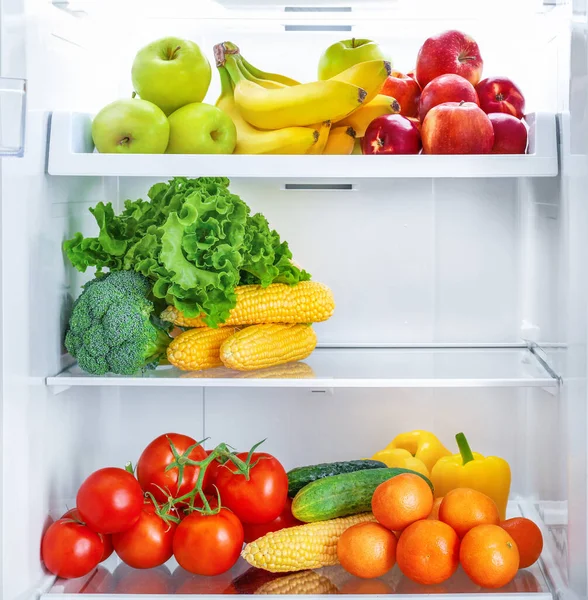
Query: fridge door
(574, 161)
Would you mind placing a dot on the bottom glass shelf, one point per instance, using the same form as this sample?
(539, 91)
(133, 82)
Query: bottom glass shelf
(119, 582)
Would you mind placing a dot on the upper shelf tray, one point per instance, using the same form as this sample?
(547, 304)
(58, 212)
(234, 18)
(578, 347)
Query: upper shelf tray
(71, 152)
(353, 368)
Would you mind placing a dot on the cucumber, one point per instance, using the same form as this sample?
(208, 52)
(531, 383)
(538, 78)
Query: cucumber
(342, 495)
(301, 476)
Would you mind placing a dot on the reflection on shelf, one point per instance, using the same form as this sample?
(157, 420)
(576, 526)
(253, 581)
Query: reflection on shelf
(353, 367)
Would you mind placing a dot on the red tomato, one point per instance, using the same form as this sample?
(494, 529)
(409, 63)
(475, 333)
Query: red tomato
(110, 500)
(157, 456)
(71, 549)
(208, 544)
(148, 543)
(261, 498)
(285, 519)
(142, 581)
(74, 513)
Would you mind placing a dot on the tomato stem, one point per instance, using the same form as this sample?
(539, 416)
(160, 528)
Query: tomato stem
(221, 454)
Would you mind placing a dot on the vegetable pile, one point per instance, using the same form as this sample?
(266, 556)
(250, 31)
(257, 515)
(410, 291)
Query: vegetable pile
(194, 241)
(201, 507)
(196, 251)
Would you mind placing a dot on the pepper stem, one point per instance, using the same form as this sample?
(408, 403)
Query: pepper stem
(464, 448)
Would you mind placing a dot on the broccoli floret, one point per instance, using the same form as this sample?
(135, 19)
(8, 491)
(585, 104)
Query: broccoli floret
(112, 327)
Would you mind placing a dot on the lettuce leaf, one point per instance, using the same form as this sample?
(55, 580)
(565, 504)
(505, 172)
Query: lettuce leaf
(194, 240)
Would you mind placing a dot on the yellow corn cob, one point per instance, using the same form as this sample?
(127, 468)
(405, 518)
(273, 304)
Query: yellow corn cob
(198, 348)
(262, 346)
(309, 546)
(306, 582)
(306, 302)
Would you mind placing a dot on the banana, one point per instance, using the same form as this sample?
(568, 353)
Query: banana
(302, 104)
(275, 77)
(323, 130)
(291, 140)
(341, 141)
(357, 147)
(365, 114)
(369, 75)
(268, 84)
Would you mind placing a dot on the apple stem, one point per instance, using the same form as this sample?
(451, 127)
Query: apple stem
(134, 95)
(171, 54)
(125, 140)
(462, 102)
(353, 43)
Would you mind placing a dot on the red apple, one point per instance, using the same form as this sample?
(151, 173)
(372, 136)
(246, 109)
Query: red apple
(449, 52)
(457, 128)
(406, 90)
(391, 134)
(510, 134)
(416, 123)
(411, 74)
(501, 95)
(446, 88)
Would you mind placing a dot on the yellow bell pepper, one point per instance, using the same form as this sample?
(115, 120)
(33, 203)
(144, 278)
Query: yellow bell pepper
(399, 458)
(422, 445)
(490, 475)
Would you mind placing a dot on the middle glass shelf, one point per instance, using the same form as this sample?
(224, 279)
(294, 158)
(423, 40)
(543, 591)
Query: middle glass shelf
(353, 368)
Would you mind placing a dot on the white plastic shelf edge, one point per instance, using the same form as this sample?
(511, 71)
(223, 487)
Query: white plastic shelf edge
(71, 152)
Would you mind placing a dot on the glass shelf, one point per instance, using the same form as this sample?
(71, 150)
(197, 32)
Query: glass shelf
(353, 368)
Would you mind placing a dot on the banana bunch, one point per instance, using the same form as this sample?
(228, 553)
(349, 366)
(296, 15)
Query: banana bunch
(274, 114)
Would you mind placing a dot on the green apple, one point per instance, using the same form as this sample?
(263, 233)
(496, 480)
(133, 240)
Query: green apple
(171, 73)
(131, 126)
(201, 129)
(345, 54)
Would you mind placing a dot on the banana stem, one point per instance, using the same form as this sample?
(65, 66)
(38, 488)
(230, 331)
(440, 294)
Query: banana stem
(226, 83)
(233, 69)
(221, 51)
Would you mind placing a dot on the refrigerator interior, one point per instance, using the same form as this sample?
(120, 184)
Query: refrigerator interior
(461, 301)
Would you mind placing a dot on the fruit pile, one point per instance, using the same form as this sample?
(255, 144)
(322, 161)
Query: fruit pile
(410, 523)
(445, 107)
(358, 105)
(171, 76)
